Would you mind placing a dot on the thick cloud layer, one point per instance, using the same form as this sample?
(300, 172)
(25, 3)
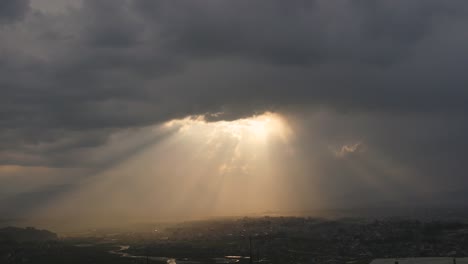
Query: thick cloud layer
(12, 10)
(71, 79)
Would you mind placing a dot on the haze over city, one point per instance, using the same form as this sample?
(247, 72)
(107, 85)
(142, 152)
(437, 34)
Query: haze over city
(119, 111)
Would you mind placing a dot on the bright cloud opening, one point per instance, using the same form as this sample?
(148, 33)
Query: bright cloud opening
(260, 128)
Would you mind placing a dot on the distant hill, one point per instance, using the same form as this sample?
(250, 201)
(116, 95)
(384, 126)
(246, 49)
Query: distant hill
(28, 234)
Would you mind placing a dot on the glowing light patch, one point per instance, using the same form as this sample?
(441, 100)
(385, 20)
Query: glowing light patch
(258, 128)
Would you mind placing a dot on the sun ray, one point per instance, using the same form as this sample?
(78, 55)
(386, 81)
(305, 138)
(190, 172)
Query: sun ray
(203, 169)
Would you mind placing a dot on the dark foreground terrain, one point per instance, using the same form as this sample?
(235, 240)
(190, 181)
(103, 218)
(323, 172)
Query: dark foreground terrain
(265, 239)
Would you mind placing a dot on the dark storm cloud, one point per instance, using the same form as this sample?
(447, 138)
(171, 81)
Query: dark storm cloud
(12, 10)
(300, 32)
(110, 65)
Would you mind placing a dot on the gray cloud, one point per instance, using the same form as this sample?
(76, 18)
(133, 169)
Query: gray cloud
(12, 10)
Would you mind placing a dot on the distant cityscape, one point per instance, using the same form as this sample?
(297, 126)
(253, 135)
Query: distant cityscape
(245, 240)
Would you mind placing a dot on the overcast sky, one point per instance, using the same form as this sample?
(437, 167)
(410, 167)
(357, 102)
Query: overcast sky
(375, 85)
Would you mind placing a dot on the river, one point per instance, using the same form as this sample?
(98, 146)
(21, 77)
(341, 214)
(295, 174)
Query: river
(122, 248)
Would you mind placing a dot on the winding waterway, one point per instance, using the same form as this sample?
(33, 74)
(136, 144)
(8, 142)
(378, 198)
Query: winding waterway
(122, 248)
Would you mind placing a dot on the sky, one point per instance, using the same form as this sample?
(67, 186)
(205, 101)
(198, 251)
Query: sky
(175, 109)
